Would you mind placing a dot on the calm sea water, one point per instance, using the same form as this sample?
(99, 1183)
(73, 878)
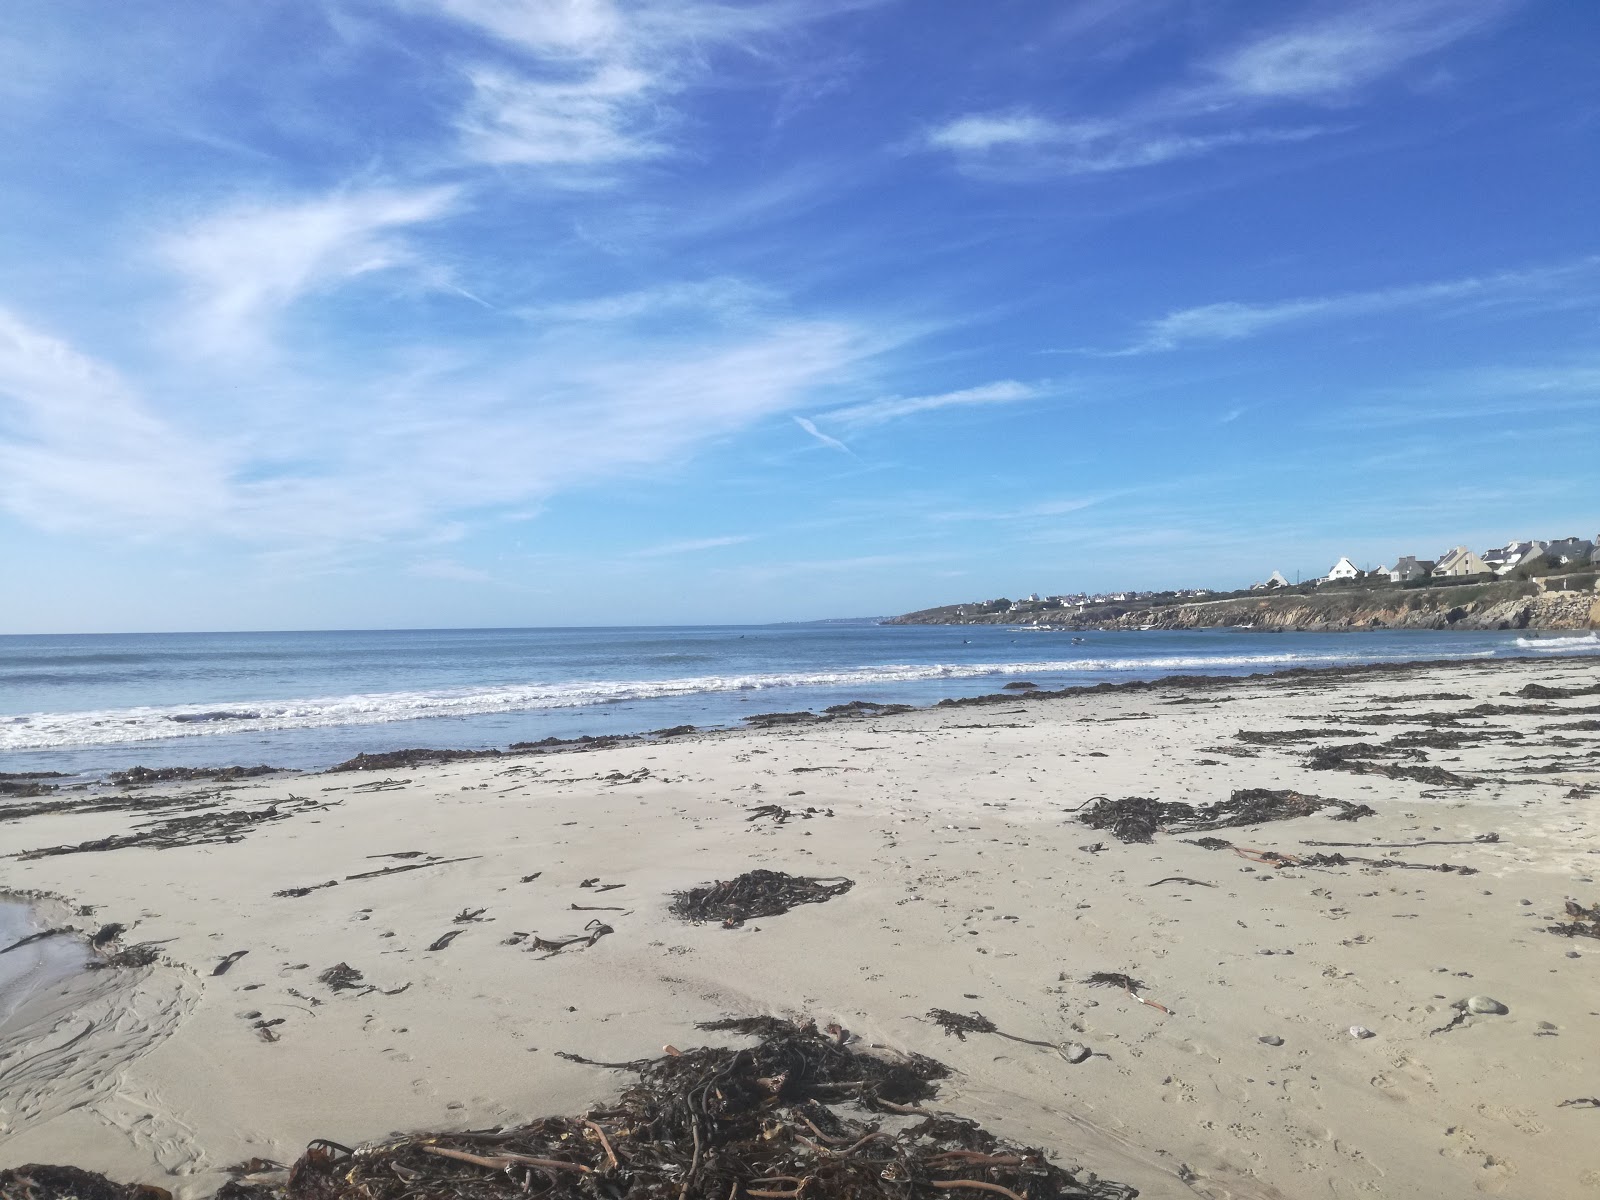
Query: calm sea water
(90, 703)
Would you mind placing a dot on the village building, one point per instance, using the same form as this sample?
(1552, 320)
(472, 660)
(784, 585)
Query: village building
(1410, 568)
(1504, 559)
(1460, 563)
(1566, 551)
(1343, 569)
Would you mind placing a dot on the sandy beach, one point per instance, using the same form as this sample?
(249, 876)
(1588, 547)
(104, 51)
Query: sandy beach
(977, 887)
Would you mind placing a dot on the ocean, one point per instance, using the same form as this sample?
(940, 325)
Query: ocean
(86, 704)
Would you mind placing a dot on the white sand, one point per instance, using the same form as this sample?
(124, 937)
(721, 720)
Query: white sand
(972, 893)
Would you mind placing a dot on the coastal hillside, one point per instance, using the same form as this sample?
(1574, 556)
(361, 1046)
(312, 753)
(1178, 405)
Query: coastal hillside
(1508, 604)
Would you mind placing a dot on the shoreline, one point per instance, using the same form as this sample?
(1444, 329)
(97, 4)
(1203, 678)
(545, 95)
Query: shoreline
(844, 710)
(977, 887)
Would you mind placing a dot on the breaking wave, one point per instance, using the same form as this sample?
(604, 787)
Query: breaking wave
(45, 731)
(1582, 642)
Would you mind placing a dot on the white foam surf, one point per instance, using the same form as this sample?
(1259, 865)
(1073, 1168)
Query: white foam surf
(1589, 641)
(111, 727)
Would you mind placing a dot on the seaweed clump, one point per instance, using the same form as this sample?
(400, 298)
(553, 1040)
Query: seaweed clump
(758, 893)
(1585, 922)
(716, 1124)
(1138, 818)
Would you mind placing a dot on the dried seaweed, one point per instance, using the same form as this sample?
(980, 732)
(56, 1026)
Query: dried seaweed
(1357, 759)
(1280, 737)
(36, 1181)
(711, 1124)
(196, 829)
(758, 893)
(1585, 921)
(341, 977)
(140, 776)
(1138, 818)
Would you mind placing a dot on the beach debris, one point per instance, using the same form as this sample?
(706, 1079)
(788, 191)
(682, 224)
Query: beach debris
(1181, 879)
(1138, 818)
(1270, 1039)
(673, 731)
(1128, 984)
(758, 893)
(1358, 760)
(530, 878)
(961, 1024)
(1581, 1102)
(1209, 843)
(1278, 860)
(1585, 921)
(1361, 1032)
(107, 934)
(1485, 1004)
(774, 719)
(780, 814)
(441, 942)
(1280, 737)
(306, 891)
(139, 776)
(406, 759)
(1480, 839)
(1540, 691)
(416, 866)
(222, 967)
(265, 1031)
(763, 1122)
(468, 915)
(35, 1181)
(140, 954)
(866, 708)
(341, 977)
(34, 937)
(593, 932)
(213, 824)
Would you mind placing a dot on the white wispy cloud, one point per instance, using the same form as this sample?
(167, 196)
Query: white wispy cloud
(693, 546)
(589, 84)
(1232, 320)
(604, 117)
(721, 297)
(876, 412)
(79, 450)
(832, 443)
(1331, 56)
(1325, 60)
(1026, 144)
(244, 265)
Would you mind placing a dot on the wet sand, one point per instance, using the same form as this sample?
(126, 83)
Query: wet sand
(977, 888)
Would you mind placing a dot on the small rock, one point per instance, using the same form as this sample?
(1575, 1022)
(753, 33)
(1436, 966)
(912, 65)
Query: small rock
(1075, 1052)
(1486, 1004)
(1524, 902)
(1361, 1031)
(1547, 1026)
(1573, 954)
(1270, 1039)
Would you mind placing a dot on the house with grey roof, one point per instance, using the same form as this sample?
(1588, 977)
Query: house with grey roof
(1409, 568)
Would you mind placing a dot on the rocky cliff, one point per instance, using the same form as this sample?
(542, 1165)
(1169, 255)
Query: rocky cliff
(1474, 606)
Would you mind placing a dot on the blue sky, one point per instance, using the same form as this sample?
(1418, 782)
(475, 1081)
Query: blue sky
(334, 313)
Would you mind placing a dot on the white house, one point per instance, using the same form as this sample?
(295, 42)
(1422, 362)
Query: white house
(1343, 569)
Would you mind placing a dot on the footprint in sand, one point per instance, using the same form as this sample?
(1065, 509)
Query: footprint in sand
(1525, 1120)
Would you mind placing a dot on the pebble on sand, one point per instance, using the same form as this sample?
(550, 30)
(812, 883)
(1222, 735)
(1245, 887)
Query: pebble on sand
(1270, 1039)
(1361, 1031)
(1486, 1004)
